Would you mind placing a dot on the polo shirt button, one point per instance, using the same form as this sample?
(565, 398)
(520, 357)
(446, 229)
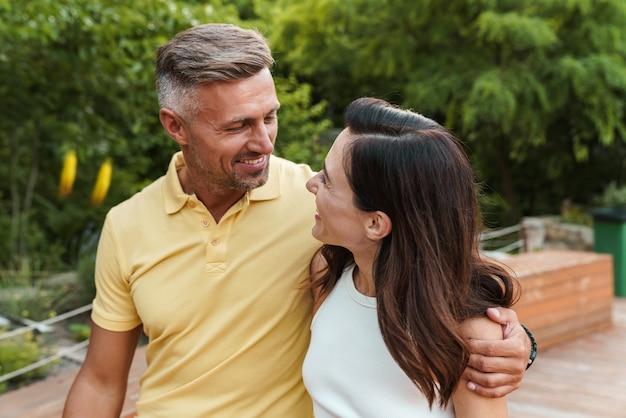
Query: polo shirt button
(192, 204)
(216, 242)
(205, 223)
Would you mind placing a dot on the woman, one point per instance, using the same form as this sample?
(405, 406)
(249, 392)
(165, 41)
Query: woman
(399, 285)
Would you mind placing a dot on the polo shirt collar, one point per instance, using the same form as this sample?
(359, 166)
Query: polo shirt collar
(176, 198)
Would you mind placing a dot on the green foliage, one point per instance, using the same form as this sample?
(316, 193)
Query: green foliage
(301, 124)
(536, 89)
(245, 8)
(613, 196)
(86, 267)
(21, 351)
(80, 332)
(576, 214)
(31, 294)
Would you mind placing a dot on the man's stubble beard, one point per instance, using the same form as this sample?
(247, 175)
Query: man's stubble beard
(217, 182)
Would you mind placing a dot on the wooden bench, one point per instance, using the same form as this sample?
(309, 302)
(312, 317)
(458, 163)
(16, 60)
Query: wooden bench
(565, 294)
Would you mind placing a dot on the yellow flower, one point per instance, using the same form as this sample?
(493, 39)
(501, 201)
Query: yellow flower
(68, 174)
(103, 182)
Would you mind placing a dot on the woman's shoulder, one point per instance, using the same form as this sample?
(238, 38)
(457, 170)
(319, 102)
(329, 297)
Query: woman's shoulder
(481, 328)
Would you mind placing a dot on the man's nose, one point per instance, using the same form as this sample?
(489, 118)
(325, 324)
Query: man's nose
(262, 139)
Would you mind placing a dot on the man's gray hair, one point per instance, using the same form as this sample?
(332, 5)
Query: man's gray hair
(205, 54)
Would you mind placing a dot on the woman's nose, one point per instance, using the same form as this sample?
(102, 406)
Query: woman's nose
(312, 184)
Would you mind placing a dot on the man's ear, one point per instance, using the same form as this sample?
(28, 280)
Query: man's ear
(379, 225)
(173, 125)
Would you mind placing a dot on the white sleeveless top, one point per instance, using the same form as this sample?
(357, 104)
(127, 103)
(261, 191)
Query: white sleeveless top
(348, 370)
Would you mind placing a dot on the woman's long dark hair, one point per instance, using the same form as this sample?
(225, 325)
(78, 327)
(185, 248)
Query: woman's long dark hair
(428, 272)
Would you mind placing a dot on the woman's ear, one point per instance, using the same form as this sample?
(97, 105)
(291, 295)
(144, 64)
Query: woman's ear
(379, 225)
(173, 125)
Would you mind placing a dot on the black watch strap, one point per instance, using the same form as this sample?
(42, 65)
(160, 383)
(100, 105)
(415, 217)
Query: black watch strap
(533, 351)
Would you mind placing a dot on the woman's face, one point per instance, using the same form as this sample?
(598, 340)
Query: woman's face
(337, 221)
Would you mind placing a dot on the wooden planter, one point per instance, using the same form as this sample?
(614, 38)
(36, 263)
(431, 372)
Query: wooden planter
(565, 294)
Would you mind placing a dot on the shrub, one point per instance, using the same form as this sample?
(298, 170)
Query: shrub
(21, 351)
(614, 196)
(80, 332)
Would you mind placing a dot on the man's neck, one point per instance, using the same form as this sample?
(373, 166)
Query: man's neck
(216, 203)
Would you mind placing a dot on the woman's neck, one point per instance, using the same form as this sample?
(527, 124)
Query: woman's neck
(364, 281)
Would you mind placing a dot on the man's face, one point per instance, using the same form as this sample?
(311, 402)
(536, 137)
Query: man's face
(230, 141)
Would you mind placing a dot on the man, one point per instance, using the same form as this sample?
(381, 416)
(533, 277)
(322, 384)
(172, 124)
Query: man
(210, 260)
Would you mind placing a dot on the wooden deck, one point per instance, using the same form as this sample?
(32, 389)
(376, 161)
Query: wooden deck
(582, 378)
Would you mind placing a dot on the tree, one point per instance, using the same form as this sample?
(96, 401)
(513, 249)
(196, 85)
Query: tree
(536, 89)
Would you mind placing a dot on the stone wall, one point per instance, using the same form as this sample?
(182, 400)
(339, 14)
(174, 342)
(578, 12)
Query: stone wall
(548, 232)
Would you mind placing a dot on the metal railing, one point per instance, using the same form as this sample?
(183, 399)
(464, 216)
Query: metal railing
(503, 240)
(35, 326)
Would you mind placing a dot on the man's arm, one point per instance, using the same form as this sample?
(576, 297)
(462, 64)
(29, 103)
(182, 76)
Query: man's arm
(100, 386)
(496, 368)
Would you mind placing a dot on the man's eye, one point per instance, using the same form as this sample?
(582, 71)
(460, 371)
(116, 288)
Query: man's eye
(236, 128)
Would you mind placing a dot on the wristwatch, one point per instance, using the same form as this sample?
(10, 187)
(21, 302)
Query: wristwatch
(533, 351)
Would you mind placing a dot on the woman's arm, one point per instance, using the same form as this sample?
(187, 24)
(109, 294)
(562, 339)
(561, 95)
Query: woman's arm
(467, 403)
(496, 368)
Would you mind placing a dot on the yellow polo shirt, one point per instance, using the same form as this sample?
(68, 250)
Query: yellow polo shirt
(228, 325)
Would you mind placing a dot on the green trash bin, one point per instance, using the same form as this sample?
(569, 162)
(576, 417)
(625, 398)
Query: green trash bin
(609, 237)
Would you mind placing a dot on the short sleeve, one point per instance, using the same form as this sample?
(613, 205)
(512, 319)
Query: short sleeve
(113, 306)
